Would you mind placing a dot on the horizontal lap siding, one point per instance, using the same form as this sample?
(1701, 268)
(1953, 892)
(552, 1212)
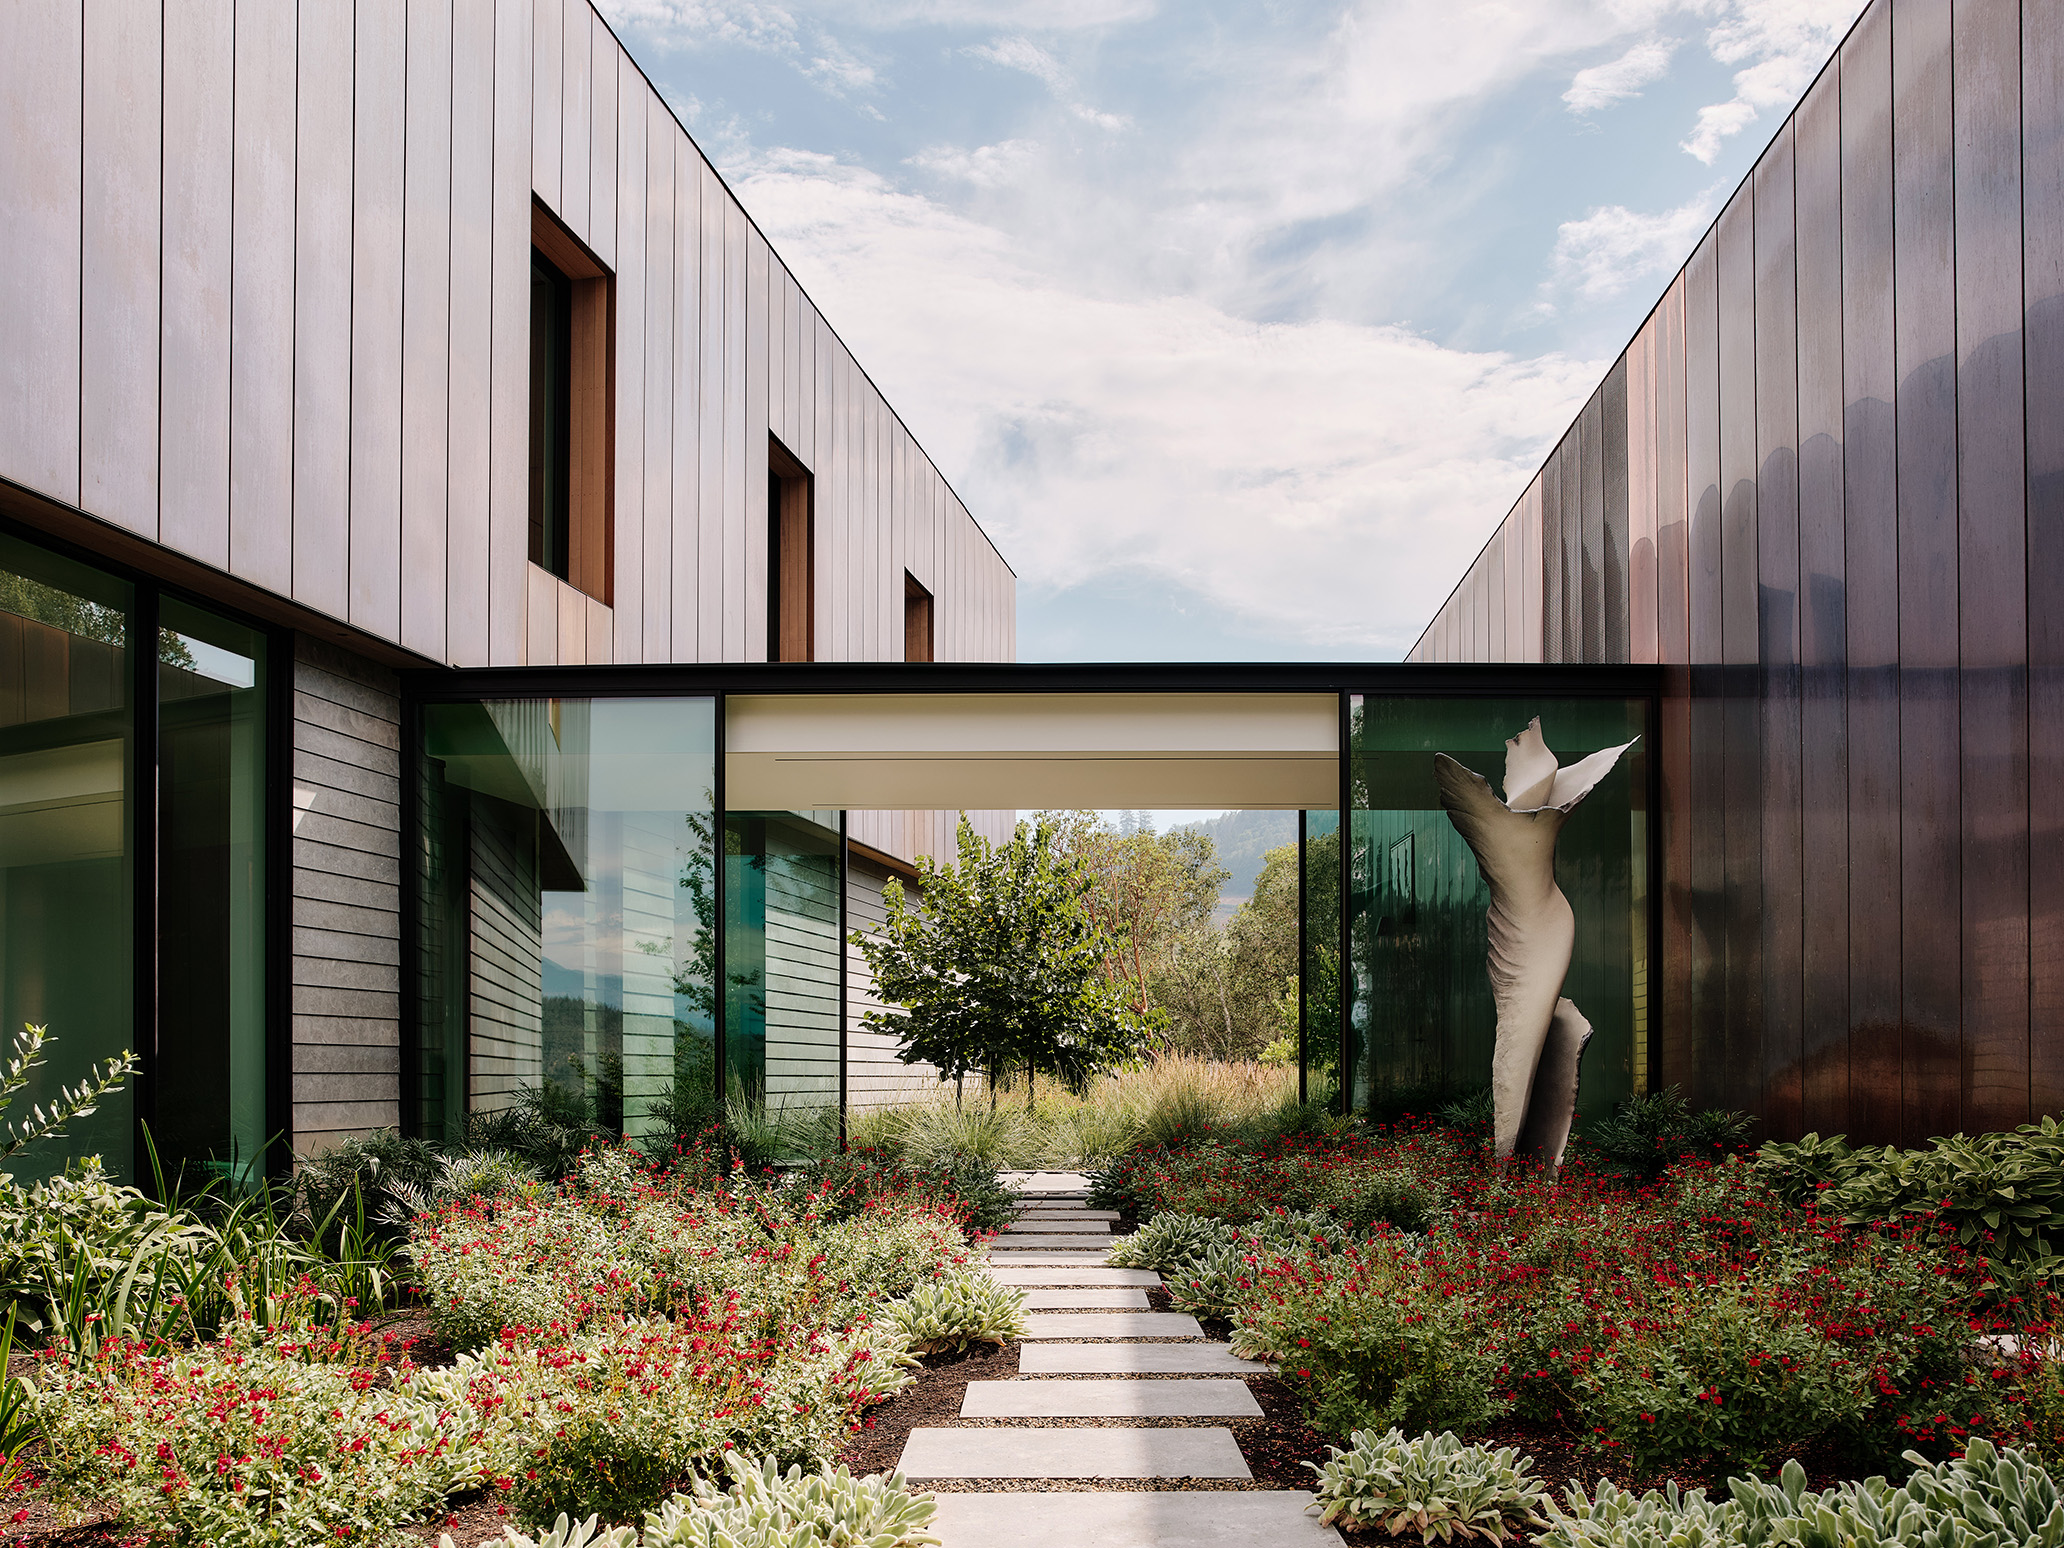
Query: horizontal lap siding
(1841, 463)
(875, 1077)
(346, 896)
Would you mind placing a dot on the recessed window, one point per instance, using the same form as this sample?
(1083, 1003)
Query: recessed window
(917, 620)
(572, 408)
(791, 558)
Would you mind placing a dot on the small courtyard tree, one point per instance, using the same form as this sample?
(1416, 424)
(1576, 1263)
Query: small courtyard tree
(998, 966)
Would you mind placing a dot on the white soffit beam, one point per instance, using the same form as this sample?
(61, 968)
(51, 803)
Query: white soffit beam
(1025, 751)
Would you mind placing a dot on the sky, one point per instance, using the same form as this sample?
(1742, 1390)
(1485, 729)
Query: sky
(1237, 326)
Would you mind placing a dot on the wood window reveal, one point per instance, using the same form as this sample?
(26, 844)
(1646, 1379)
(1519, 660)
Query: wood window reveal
(791, 558)
(572, 408)
(917, 620)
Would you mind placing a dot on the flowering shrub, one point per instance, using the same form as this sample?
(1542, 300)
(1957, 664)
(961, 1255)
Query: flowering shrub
(1699, 1319)
(623, 1240)
(1393, 1179)
(964, 1188)
(611, 1418)
(279, 1437)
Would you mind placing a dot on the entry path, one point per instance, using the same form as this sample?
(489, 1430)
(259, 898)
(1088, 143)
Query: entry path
(1109, 1415)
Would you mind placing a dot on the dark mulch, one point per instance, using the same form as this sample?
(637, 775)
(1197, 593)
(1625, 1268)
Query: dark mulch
(933, 1398)
(473, 1520)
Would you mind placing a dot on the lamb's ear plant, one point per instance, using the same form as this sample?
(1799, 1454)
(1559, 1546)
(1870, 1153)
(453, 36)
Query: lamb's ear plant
(1435, 1486)
(1169, 1242)
(763, 1508)
(957, 1311)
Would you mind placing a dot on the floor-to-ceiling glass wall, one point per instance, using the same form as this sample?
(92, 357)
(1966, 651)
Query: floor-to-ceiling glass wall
(211, 1070)
(566, 925)
(77, 723)
(1420, 1020)
(67, 761)
(782, 958)
(1319, 972)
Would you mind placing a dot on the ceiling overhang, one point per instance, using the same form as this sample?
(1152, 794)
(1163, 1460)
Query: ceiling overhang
(1027, 751)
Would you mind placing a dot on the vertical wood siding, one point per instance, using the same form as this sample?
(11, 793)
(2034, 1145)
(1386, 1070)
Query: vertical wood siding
(1843, 471)
(267, 304)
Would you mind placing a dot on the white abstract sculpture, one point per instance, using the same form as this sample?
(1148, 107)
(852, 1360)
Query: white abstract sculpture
(1541, 1036)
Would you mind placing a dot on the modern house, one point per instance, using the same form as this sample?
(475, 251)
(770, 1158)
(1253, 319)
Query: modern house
(468, 625)
(340, 343)
(1823, 491)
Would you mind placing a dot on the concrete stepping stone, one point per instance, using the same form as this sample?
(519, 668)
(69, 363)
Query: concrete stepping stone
(1070, 1274)
(1047, 1259)
(1058, 1228)
(1167, 1518)
(1133, 1360)
(1149, 1324)
(1086, 1298)
(1055, 1212)
(1069, 1453)
(1046, 1182)
(1030, 1240)
(1221, 1399)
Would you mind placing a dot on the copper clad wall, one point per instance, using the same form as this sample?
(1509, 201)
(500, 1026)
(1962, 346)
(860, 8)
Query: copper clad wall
(1827, 480)
(267, 305)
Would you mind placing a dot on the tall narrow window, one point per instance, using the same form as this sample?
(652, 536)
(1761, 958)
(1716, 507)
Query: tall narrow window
(572, 408)
(917, 620)
(791, 558)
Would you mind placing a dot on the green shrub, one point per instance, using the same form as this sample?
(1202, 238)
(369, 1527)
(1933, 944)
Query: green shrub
(1435, 1486)
(956, 1312)
(1988, 1498)
(763, 1508)
(376, 1172)
(1647, 1134)
(1999, 1194)
(967, 1186)
(1369, 1347)
(1361, 1197)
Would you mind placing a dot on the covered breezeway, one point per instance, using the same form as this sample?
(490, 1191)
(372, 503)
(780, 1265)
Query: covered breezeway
(640, 879)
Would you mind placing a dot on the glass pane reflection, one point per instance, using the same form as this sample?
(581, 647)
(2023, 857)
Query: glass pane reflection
(66, 731)
(566, 909)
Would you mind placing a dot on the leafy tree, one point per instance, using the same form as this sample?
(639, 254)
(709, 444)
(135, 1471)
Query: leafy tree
(1000, 965)
(1154, 893)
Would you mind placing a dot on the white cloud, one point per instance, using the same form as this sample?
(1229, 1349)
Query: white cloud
(1781, 45)
(986, 166)
(1613, 248)
(691, 23)
(1621, 78)
(1023, 54)
(1323, 479)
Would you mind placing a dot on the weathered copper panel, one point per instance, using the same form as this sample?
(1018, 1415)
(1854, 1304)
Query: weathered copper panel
(1992, 577)
(1925, 411)
(1821, 603)
(1777, 561)
(1870, 498)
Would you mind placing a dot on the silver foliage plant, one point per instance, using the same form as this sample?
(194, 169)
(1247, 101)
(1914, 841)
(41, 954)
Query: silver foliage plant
(763, 1508)
(1990, 1497)
(957, 1311)
(1436, 1486)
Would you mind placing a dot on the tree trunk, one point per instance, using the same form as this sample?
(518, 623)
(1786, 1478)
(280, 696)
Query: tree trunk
(1031, 1079)
(959, 1089)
